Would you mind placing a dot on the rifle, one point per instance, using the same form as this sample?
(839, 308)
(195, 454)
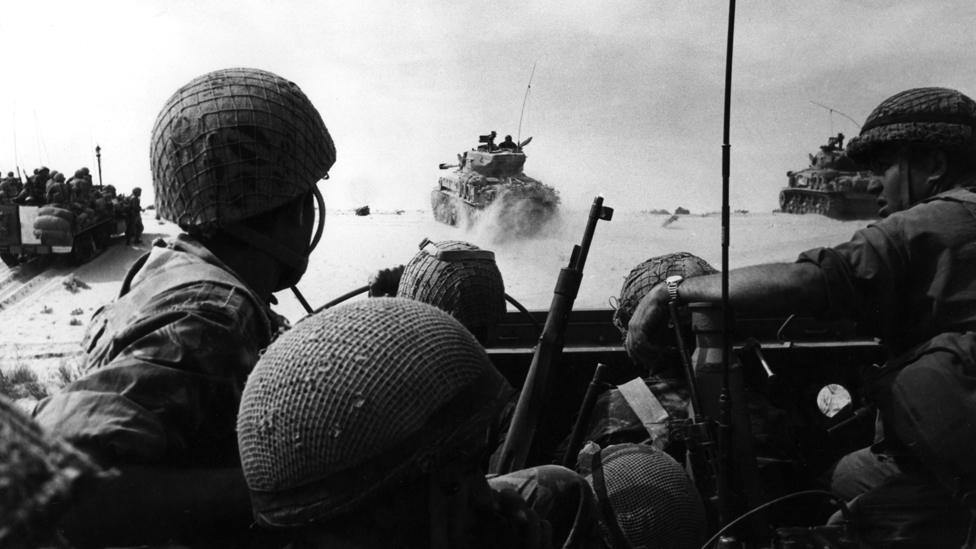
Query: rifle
(525, 421)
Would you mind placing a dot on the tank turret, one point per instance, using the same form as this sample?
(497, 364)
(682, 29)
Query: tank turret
(489, 181)
(831, 185)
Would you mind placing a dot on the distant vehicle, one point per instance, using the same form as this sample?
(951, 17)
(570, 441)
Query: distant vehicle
(831, 186)
(492, 177)
(362, 210)
(27, 231)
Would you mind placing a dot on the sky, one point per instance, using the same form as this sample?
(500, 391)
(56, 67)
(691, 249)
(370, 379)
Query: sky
(626, 97)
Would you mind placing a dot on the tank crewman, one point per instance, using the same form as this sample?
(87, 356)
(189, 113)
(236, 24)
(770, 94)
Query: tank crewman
(836, 143)
(910, 279)
(167, 360)
(365, 426)
(40, 477)
(508, 144)
(133, 218)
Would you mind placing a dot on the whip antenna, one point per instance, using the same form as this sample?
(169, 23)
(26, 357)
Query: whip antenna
(518, 137)
(832, 111)
(725, 403)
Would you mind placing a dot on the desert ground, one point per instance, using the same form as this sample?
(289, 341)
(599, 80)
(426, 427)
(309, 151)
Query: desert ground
(45, 307)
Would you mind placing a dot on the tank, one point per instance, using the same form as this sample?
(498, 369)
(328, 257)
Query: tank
(831, 186)
(488, 185)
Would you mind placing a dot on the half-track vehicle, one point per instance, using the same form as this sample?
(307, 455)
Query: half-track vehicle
(80, 233)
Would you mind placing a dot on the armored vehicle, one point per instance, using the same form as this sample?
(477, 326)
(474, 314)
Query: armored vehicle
(831, 186)
(488, 183)
(80, 233)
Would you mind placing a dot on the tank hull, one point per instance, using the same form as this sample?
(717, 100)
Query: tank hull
(836, 205)
(832, 186)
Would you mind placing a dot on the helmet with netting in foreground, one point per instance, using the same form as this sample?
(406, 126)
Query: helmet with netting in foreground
(357, 399)
(933, 117)
(39, 475)
(646, 498)
(234, 143)
(457, 277)
(648, 274)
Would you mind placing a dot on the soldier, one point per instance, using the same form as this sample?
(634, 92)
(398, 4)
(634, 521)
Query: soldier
(236, 155)
(133, 218)
(57, 191)
(81, 187)
(9, 188)
(460, 278)
(365, 425)
(35, 190)
(909, 279)
(645, 497)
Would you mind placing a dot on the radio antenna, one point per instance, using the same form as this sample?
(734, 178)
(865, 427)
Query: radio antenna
(832, 111)
(518, 137)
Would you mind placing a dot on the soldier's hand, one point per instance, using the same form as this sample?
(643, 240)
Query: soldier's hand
(647, 326)
(384, 283)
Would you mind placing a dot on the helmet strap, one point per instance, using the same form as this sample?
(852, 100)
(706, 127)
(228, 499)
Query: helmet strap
(603, 499)
(295, 261)
(905, 167)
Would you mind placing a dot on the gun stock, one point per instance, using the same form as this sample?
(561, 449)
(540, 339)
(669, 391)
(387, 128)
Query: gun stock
(525, 421)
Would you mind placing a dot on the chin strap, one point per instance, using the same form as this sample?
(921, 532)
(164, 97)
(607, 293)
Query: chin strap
(266, 244)
(905, 167)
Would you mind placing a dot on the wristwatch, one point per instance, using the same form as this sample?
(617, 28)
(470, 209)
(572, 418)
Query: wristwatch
(672, 283)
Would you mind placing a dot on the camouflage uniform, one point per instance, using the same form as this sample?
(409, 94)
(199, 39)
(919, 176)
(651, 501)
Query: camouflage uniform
(166, 363)
(40, 476)
(910, 279)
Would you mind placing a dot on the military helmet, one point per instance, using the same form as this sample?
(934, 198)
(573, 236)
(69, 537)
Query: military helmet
(235, 143)
(648, 274)
(357, 399)
(457, 277)
(937, 117)
(39, 476)
(645, 497)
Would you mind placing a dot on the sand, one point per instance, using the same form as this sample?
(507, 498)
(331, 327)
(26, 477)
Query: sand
(44, 330)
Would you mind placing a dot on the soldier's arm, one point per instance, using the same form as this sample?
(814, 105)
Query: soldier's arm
(776, 288)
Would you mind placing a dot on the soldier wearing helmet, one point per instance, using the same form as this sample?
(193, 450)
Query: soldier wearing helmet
(9, 188)
(460, 278)
(133, 217)
(910, 279)
(236, 155)
(645, 497)
(365, 426)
